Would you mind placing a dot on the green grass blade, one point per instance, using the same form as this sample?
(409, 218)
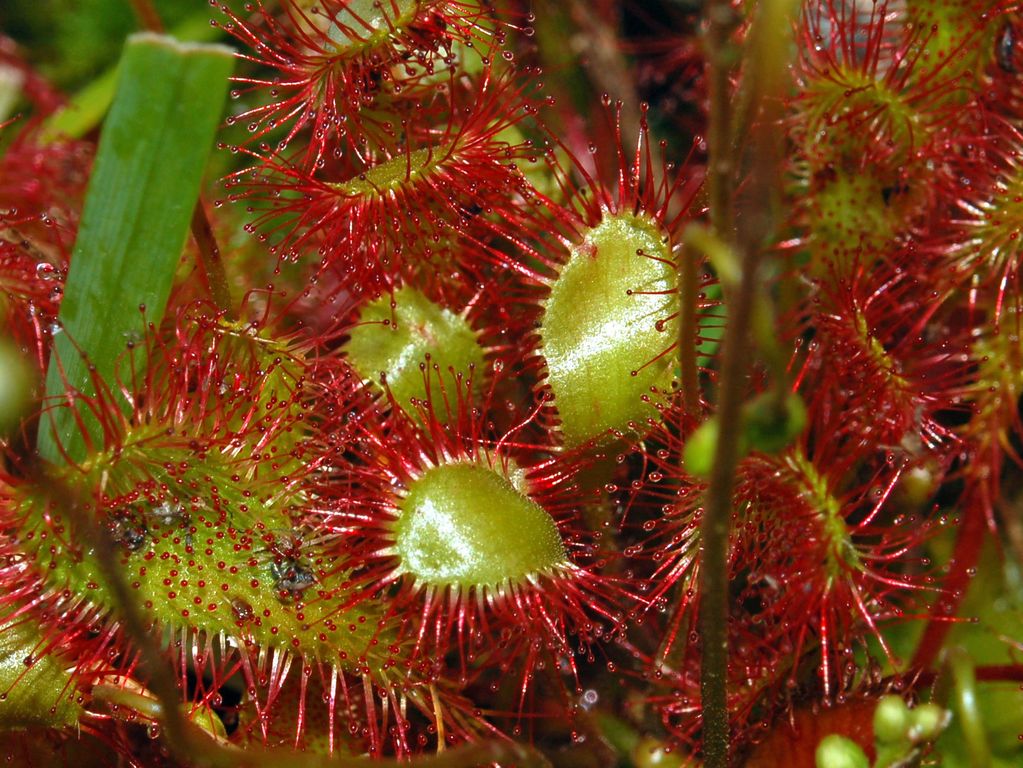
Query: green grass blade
(86, 108)
(145, 183)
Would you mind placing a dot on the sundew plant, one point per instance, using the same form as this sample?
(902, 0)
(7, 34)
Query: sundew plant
(456, 383)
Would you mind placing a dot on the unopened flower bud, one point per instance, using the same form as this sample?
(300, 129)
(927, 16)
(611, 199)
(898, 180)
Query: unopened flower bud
(928, 721)
(891, 720)
(836, 751)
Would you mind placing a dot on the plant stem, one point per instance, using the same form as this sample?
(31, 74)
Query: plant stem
(210, 262)
(765, 79)
(687, 332)
(721, 19)
(606, 67)
(716, 524)
(963, 683)
(192, 744)
(147, 15)
(969, 542)
(95, 538)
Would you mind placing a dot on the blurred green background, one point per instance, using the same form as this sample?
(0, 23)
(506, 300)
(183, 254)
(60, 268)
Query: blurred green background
(73, 41)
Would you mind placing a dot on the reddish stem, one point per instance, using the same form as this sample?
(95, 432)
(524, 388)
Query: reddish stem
(210, 262)
(147, 15)
(968, 546)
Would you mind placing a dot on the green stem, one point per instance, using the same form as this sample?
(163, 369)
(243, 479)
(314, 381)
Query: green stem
(736, 277)
(721, 55)
(964, 703)
(716, 525)
(765, 76)
(98, 540)
(687, 332)
(722, 19)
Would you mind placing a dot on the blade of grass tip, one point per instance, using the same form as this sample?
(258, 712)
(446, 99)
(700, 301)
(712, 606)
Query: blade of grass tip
(210, 265)
(138, 208)
(86, 108)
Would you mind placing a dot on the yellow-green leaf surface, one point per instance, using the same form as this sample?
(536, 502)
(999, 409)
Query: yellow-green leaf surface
(608, 320)
(37, 690)
(467, 524)
(397, 340)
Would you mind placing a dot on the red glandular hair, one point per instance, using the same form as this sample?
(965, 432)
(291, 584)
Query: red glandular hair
(820, 558)
(829, 558)
(1002, 93)
(876, 123)
(990, 440)
(42, 187)
(669, 64)
(203, 380)
(819, 562)
(206, 392)
(327, 309)
(518, 626)
(662, 512)
(45, 180)
(665, 508)
(890, 356)
(981, 242)
(388, 215)
(217, 442)
(88, 649)
(332, 63)
(30, 291)
(845, 51)
(578, 197)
